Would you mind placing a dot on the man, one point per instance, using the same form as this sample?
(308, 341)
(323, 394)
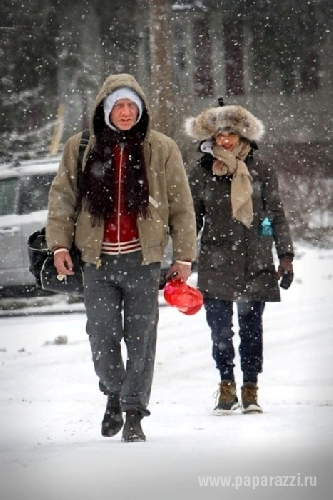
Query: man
(133, 193)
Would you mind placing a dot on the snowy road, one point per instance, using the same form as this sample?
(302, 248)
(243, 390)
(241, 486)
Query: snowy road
(51, 448)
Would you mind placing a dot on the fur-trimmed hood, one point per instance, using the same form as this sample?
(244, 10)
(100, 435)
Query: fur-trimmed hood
(211, 120)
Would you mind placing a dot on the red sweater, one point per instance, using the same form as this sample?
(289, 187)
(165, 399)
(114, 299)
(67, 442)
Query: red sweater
(120, 230)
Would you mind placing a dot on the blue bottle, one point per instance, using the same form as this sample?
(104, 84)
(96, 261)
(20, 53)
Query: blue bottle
(266, 228)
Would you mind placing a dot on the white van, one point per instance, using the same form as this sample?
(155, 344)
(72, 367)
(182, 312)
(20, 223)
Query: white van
(24, 188)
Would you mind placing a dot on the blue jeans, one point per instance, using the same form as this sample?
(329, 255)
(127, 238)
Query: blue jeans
(219, 316)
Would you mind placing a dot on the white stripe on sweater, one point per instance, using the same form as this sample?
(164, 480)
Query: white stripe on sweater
(121, 247)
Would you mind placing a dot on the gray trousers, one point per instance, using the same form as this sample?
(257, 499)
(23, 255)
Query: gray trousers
(121, 301)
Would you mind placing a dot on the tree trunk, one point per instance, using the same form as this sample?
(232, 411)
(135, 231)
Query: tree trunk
(161, 64)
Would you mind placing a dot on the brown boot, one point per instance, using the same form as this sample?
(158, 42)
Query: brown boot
(250, 399)
(227, 398)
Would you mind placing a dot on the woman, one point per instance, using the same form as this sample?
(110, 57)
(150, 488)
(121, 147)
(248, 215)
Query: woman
(240, 213)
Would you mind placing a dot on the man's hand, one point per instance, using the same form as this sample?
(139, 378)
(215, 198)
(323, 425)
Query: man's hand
(179, 271)
(286, 272)
(63, 262)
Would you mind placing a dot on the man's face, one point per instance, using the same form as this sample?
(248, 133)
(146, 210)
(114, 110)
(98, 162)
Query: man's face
(124, 114)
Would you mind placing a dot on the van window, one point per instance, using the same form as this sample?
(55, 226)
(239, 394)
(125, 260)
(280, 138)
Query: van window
(8, 195)
(34, 192)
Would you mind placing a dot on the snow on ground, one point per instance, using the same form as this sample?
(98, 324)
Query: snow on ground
(51, 409)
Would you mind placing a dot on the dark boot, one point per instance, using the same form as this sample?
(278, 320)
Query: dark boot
(132, 431)
(113, 418)
(250, 398)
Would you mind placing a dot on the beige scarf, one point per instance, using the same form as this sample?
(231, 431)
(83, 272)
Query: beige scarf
(231, 163)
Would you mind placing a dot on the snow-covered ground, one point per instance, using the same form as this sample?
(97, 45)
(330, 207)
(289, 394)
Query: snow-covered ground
(51, 409)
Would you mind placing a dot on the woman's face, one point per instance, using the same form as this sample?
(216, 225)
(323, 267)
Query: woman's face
(228, 140)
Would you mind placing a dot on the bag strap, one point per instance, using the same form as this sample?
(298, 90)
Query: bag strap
(82, 147)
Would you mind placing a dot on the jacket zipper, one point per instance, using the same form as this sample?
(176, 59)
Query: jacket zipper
(122, 147)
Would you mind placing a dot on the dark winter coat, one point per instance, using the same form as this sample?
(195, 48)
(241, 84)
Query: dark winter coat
(236, 262)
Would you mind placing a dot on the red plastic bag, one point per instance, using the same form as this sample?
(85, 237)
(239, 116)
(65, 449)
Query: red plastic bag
(187, 299)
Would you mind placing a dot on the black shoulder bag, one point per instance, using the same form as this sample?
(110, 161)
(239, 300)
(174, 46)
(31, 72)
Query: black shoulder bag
(41, 260)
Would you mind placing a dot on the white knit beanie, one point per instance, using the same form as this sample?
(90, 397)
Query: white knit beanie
(121, 93)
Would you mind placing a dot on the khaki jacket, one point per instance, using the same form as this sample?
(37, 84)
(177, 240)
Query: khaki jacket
(170, 200)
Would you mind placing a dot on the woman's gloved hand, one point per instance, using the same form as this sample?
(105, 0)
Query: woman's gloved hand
(285, 272)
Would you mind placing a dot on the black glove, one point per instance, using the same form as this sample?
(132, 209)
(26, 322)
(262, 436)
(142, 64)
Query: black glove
(287, 279)
(285, 272)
